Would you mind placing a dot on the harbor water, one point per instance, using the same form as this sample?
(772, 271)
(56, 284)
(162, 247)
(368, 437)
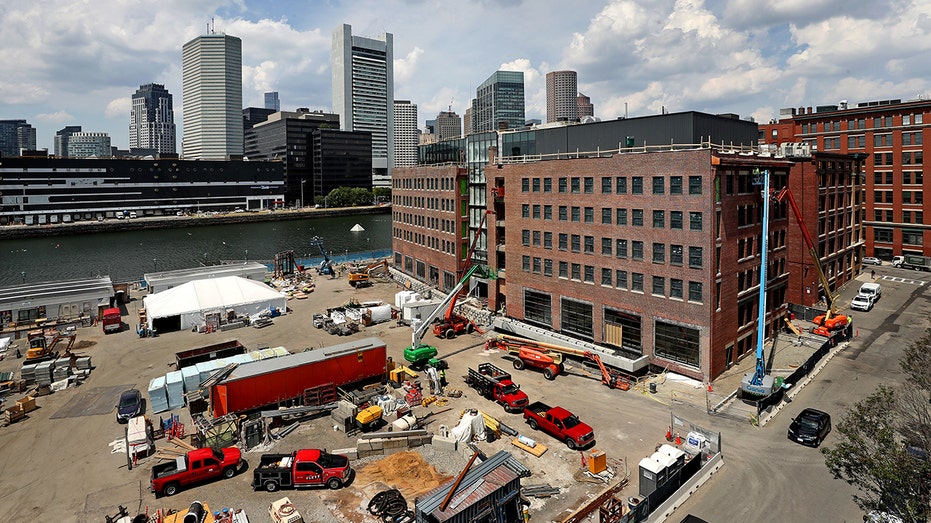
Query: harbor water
(126, 256)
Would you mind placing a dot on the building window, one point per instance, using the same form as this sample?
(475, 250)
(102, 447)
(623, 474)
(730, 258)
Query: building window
(525, 210)
(589, 185)
(675, 185)
(547, 240)
(659, 253)
(659, 286)
(576, 214)
(547, 185)
(636, 251)
(606, 185)
(536, 238)
(675, 288)
(576, 318)
(606, 216)
(637, 217)
(621, 184)
(589, 215)
(620, 279)
(575, 184)
(675, 220)
(622, 216)
(547, 212)
(695, 257)
(589, 245)
(623, 330)
(563, 269)
(576, 271)
(695, 221)
(547, 267)
(694, 184)
(525, 238)
(621, 248)
(675, 255)
(537, 265)
(912, 237)
(606, 246)
(536, 211)
(563, 241)
(563, 213)
(636, 185)
(695, 291)
(589, 274)
(659, 185)
(563, 185)
(525, 263)
(576, 243)
(525, 185)
(606, 277)
(659, 219)
(538, 307)
(677, 343)
(636, 282)
(536, 185)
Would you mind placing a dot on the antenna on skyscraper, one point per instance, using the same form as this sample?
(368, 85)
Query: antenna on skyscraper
(451, 100)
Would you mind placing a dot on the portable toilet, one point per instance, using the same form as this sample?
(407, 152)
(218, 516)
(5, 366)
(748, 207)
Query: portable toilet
(675, 453)
(158, 397)
(650, 471)
(668, 463)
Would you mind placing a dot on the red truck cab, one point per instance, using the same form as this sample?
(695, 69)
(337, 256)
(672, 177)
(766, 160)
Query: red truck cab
(495, 384)
(301, 469)
(197, 466)
(112, 320)
(559, 423)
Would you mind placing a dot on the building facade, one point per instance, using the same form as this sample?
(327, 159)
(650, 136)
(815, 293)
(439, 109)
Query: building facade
(406, 137)
(16, 135)
(61, 139)
(891, 135)
(272, 101)
(212, 97)
(448, 125)
(562, 96)
(87, 145)
(363, 93)
(341, 159)
(152, 120)
(499, 102)
(585, 106)
(53, 190)
(467, 120)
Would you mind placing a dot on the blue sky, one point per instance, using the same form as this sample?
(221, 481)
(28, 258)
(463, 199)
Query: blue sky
(72, 62)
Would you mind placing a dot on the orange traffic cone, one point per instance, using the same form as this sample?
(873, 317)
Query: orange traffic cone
(710, 388)
(669, 433)
(678, 439)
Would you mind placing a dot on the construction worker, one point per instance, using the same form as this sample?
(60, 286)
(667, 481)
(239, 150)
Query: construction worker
(872, 274)
(442, 377)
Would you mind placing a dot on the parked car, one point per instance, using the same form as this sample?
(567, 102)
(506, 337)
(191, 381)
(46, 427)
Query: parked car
(810, 427)
(861, 302)
(869, 260)
(130, 405)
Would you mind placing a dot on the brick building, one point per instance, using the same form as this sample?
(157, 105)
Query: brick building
(890, 135)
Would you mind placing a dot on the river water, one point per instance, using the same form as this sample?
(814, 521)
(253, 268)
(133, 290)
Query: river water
(126, 256)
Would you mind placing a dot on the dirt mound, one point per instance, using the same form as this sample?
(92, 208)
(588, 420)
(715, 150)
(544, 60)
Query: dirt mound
(83, 344)
(406, 471)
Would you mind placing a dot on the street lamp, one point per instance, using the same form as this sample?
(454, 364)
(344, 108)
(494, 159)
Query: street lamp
(24, 276)
(245, 256)
(303, 181)
(324, 200)
(155, 262)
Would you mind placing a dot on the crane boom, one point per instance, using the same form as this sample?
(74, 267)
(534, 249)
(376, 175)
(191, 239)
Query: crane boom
(421, 329)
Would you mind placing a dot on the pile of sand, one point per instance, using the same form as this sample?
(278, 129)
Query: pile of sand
(406, 471)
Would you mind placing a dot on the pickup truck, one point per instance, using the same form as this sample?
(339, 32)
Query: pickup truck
(196, 466)
(559, 423)
(495, 384)
(300, 469)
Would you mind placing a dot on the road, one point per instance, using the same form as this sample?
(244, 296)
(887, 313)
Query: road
(767, 477)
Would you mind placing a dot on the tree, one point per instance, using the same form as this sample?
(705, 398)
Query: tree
(884, 447)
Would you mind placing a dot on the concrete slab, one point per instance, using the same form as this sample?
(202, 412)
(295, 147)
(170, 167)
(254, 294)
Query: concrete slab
(91, 402)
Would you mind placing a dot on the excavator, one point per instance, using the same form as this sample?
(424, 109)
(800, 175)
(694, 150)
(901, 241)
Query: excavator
(362, 277)
(830, 321)
(549, 358)
(42, 345)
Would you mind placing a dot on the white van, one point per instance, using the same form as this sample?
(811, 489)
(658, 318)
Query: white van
(132, 214)
(871, 290)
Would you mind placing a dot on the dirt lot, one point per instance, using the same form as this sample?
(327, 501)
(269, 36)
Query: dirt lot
(57, 464)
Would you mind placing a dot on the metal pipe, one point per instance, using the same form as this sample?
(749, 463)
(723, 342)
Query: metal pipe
(452, 490)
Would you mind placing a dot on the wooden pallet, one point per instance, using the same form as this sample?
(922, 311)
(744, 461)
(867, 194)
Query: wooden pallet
(537, 450)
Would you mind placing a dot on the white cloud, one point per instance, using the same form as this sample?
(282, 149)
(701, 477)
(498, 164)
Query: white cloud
(404, 68)
(119, 108)
(56, 117)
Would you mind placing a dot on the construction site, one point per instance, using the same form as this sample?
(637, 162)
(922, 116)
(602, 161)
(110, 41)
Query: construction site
(340, 369)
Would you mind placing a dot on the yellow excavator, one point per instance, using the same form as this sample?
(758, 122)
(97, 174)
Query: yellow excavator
(42, 345)
(362, 277)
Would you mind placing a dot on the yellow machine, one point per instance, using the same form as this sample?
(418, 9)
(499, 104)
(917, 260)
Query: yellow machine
(368, 418)
(362, 277)
(42, 345)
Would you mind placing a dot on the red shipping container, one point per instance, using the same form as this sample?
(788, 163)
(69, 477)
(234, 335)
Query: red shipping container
(268, 382)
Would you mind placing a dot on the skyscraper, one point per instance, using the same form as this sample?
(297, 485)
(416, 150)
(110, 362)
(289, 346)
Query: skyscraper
(272, 101)
(16, 135)
(212, 97)
(61, 139)
(448, 125)
(85, 145)
(586, 108)
(363, 93)
(152, 120)
(467, 120)
(499, 102)
(561, 94)
(405, 133)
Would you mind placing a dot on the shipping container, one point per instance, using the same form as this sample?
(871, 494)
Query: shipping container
(283, 379)
(210, 352)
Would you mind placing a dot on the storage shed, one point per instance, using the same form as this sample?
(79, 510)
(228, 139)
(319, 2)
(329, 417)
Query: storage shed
(54, 301)
(162, 281)
(188, 305)
(489, 491)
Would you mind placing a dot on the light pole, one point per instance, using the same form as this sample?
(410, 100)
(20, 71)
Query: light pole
(24, 276)
(303, 180)
(324, 200)
(155, 262)
(246, 256)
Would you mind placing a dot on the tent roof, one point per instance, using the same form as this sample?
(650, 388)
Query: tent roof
(210, 294)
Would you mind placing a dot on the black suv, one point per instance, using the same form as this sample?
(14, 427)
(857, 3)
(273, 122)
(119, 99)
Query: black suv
(810, 427)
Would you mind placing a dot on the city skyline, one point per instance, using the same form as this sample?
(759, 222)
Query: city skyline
(631, 58)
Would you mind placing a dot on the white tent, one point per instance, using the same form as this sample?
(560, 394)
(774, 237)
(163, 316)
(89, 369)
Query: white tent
(188, 305)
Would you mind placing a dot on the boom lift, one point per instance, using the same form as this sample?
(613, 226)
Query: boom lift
(420, 353)
(549, 357)
(830, 321)
(362, 277)
(326, 266)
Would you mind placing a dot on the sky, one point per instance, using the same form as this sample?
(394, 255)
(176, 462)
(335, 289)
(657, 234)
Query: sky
(78, 62)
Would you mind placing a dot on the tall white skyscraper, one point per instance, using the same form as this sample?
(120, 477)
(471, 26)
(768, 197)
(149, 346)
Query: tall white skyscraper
(363, 93)
(212, 97)
(152, 119)
(405, 133)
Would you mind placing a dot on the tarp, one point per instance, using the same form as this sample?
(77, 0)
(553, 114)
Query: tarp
(194, 300)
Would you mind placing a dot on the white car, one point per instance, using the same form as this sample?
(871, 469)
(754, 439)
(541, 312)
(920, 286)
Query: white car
(869, 260)
(862, 302)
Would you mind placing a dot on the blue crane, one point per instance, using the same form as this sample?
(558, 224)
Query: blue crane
(326, 266)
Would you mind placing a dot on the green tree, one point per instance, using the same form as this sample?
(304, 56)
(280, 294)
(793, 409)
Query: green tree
(884, 445)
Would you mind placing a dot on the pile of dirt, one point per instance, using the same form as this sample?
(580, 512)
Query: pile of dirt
(406, 471)
(83, 344)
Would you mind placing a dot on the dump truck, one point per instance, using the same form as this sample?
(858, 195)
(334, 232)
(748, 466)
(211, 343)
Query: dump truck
(197, 466)
(301, 469)
(559, 423)
(496, 385)
(913, 261)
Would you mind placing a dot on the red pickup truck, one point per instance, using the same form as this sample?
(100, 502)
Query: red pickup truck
(196, 466)
(495, 384)
(302, 468)
(559, 423)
